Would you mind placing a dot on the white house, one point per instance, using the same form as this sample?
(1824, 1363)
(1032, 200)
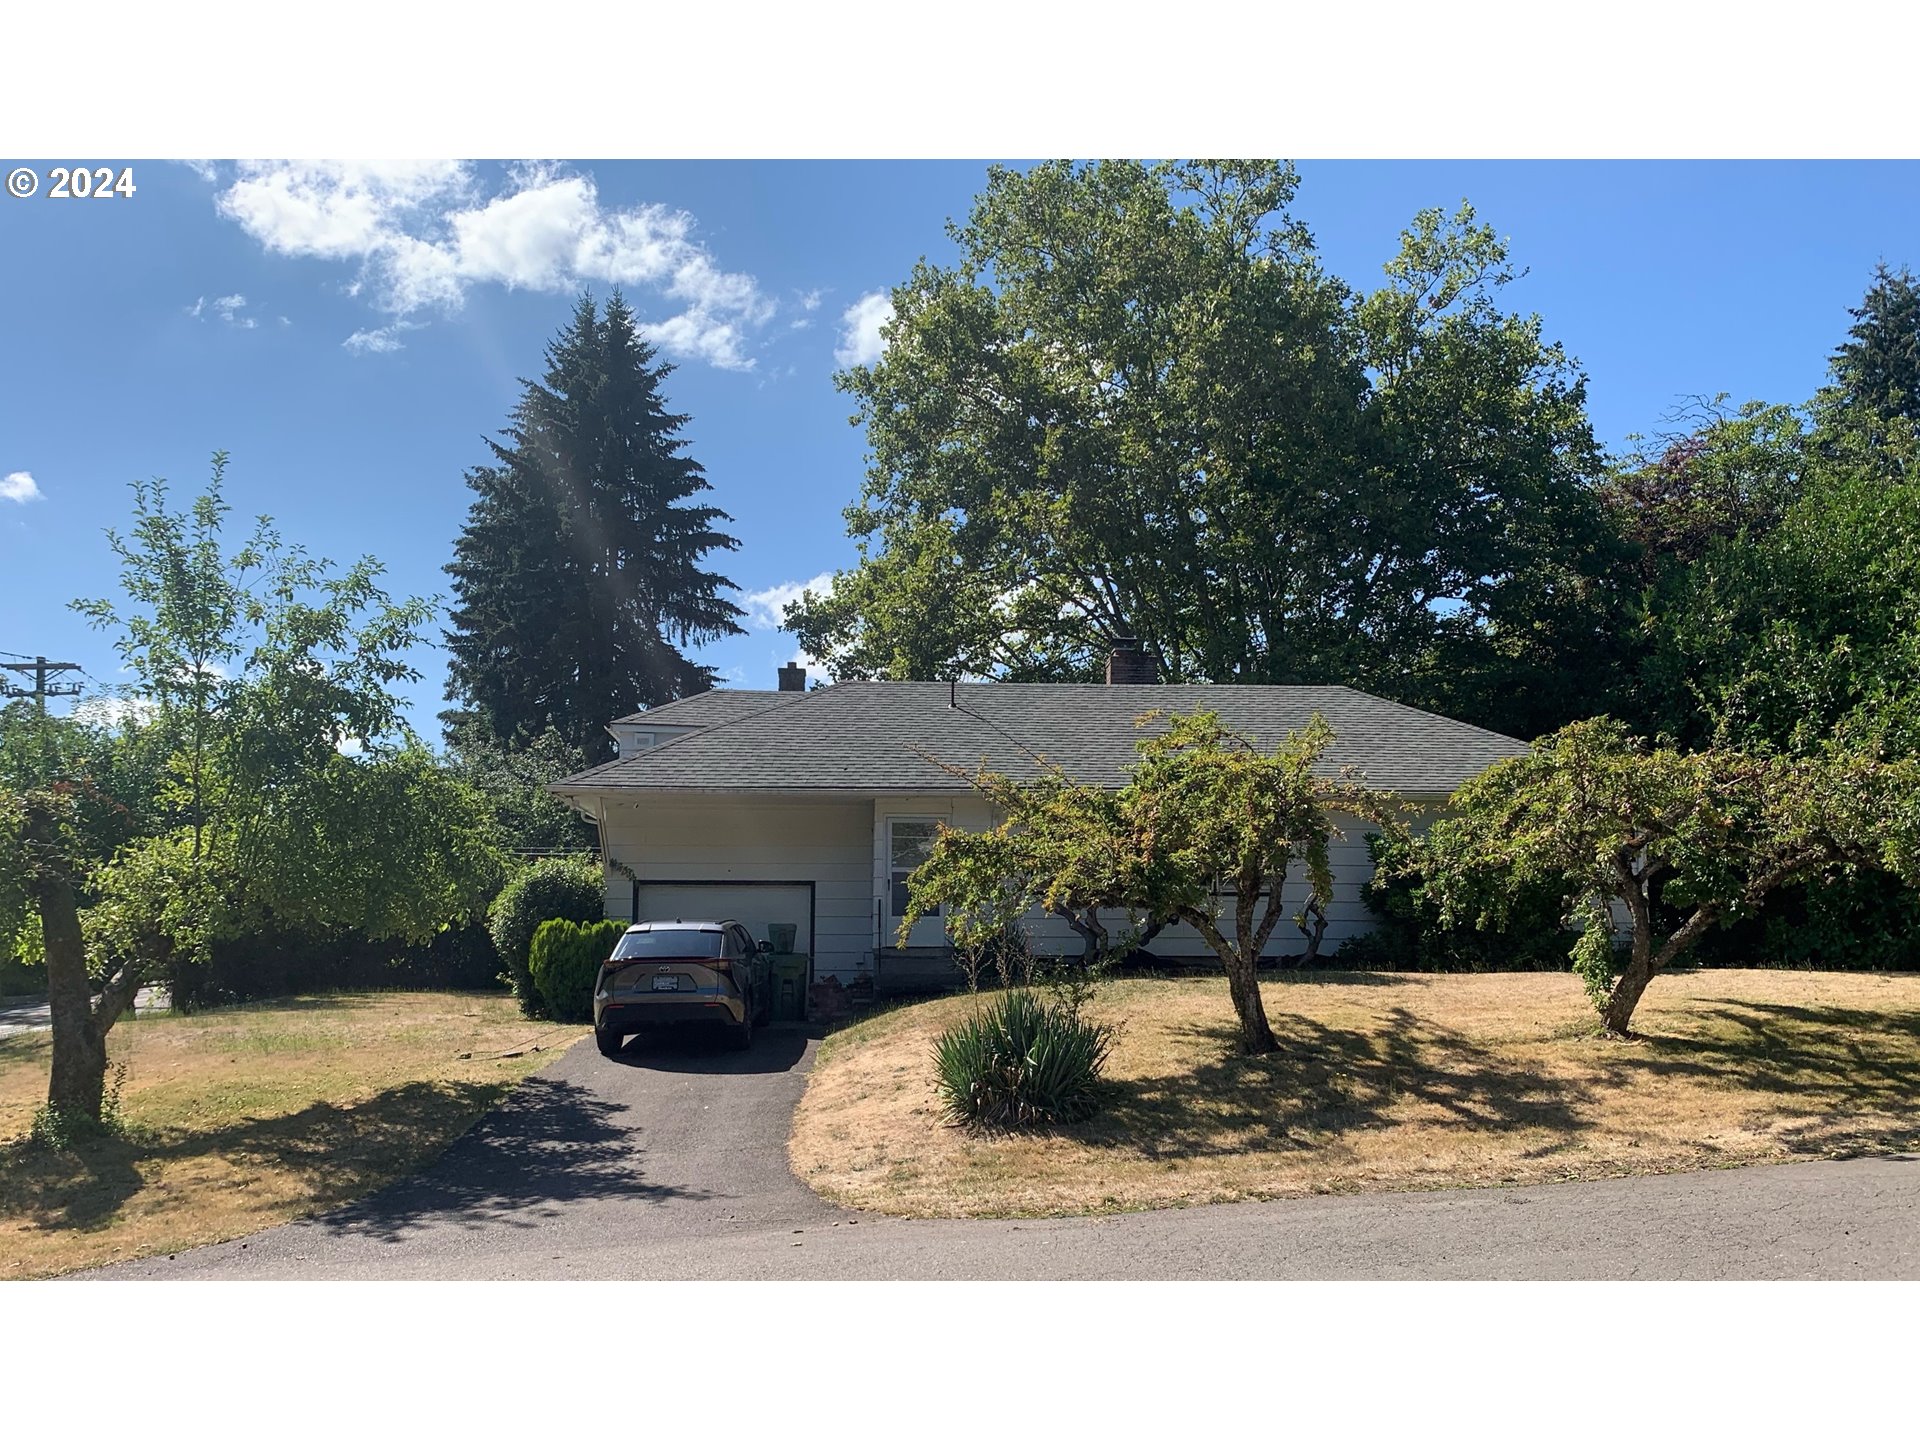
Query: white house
(810, 807)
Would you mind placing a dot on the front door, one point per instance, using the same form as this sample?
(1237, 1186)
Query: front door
(909, 843)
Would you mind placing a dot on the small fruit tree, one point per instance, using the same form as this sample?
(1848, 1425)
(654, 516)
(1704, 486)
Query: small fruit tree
(1668, 842)
(1206, 816)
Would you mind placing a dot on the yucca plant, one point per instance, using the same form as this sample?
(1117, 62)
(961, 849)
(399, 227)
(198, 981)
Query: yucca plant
(1020, 1062)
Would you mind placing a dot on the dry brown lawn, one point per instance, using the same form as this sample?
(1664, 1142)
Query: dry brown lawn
(242, 1118)
(1384, 1082)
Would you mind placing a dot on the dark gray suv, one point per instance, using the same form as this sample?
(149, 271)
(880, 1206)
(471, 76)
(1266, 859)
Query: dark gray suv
(672, 973)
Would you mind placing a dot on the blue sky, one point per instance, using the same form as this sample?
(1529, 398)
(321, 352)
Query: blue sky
(350, 336)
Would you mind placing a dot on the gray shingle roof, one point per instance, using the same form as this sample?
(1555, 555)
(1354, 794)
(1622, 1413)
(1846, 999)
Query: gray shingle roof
(710, 707)
(865, 735)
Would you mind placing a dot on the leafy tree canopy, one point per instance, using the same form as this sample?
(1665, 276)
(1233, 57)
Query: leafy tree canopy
(255, 670)
(513, 780)
(1676, 841)
(1812, 628)
(1728, 473)
(1205, 816)
(1138, 405)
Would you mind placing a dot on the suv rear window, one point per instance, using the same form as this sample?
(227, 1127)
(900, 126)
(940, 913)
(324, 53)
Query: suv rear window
(668, 945)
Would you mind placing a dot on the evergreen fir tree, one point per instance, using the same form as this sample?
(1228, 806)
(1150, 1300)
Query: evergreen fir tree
(1877, 372)
(579, 573)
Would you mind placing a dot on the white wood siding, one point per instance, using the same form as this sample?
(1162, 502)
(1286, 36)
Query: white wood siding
(839, 843)
(668, 838)
(1347, 915)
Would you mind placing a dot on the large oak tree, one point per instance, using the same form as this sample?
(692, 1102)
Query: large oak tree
(1139, 405)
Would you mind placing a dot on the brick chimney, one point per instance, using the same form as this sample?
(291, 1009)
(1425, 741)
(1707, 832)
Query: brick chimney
(793, 677)
(1129, 664)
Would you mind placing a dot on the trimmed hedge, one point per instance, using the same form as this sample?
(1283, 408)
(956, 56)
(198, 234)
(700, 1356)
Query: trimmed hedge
(559, 888)
(565, 958)
(278, 960)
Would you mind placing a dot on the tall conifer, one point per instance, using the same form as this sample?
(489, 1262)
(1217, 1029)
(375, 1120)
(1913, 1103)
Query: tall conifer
(1877, 369)
(579, 573)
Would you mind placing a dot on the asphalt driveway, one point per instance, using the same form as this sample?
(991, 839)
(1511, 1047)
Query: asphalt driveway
(670, 1163)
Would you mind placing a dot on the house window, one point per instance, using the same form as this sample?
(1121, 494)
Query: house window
(909, 843)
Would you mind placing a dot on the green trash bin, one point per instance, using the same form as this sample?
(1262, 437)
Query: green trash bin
(790, 987)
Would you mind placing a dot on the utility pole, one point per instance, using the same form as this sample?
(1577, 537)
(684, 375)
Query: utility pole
(40, 669)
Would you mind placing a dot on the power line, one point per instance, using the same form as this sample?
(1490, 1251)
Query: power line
(40, 669)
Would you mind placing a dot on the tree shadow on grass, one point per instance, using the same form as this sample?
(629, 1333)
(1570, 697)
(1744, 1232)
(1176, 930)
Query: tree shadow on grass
(1828, 1066)
(1340, 977)
(25, 1045)
(549, 1144)
(1325, 1082)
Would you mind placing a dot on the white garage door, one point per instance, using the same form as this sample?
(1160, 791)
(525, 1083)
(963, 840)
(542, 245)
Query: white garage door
(754, 906)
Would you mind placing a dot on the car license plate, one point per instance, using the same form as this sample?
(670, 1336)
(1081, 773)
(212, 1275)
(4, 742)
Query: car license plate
(666, 982)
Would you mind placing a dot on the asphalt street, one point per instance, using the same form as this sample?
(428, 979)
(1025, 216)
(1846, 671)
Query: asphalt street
(21, 1014)
(669, 1163)
(17, 1016)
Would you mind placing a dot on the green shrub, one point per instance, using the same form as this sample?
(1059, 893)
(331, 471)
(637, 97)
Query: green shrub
(564, 959)
(23, 966)
(271, 958)
(560, 888)
(1020, 1061)
(1866, 920)
(58, 1130)
(1409, 935)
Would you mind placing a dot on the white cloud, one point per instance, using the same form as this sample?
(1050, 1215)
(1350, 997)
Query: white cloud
(860, 340)
(766, 608)
(228, 307)
(19, 487)
(381, 341)
(336, 210)
(424, 232)
(810, 301)
(114, 711)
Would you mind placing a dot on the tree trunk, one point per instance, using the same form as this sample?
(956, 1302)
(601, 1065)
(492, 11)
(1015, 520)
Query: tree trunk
(1088, 927)
(1627, 991)
(1647, 962)
(1315, 934)
(78, 1084)
(1243, 983)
